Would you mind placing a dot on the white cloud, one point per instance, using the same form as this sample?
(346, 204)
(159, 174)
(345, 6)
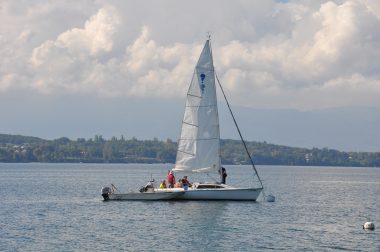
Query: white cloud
(156, 70)
(302, 54)
(342, 42)
(62, 64)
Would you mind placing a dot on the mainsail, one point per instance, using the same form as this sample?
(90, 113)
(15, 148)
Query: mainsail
(199, 143)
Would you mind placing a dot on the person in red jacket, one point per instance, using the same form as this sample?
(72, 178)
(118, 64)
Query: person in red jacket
(171, 179)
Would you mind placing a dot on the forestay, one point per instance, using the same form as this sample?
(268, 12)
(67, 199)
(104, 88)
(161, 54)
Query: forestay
(199, 143)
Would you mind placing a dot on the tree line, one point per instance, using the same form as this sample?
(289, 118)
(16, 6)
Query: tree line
(16, 148)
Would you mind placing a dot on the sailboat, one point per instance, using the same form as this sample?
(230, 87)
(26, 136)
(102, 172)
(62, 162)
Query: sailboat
(198, 146)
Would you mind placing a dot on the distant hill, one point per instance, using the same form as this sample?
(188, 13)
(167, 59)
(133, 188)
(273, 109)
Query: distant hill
(16, 148)
(18, 139)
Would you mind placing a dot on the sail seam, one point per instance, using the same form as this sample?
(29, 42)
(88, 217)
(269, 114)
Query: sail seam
(191, 154)
(203, 139)
(203, 106)
(195, 96)
(206, 69)
(190, 124)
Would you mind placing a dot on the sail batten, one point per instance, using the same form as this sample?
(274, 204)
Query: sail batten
(199, 143)
(199, 139)
(201, 106)
(200, 97)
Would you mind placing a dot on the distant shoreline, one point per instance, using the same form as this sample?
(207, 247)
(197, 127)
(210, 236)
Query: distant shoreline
(97, 150)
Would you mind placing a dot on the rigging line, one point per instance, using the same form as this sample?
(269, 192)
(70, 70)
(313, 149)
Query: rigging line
(237, 127)
(215, 180)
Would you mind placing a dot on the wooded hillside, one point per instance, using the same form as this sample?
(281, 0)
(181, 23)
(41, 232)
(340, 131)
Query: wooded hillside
(16, 148)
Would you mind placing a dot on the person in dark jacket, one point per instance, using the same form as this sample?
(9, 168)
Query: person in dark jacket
(185, 181)
(224, 175)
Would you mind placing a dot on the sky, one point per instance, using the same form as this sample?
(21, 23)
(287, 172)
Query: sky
(299, 73)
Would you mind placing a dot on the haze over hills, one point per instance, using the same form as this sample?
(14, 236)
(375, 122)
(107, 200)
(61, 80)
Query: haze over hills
(345, 129)
(50, 117)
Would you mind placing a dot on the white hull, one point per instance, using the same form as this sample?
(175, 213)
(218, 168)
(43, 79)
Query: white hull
(143, 196)
(215, 191)
(221, 194)
(199, 191)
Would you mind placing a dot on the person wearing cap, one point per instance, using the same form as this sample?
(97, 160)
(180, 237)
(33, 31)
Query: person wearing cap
(171, 179)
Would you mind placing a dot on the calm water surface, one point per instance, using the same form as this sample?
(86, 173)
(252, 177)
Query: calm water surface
(58, 207)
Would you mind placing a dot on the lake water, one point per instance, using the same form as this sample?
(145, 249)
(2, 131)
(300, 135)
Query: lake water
(58, 207)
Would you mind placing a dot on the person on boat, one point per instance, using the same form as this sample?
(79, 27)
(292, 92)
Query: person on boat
(224, 175)
(171, 179)
(185, 181)
(179, 184)
(163, 184)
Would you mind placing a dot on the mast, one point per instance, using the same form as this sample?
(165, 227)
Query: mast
(220, 151)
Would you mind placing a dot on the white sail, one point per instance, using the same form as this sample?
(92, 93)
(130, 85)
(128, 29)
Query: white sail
(199, 143)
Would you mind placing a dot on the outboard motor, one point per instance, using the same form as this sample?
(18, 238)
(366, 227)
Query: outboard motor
(105, 191)
(148, 187)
